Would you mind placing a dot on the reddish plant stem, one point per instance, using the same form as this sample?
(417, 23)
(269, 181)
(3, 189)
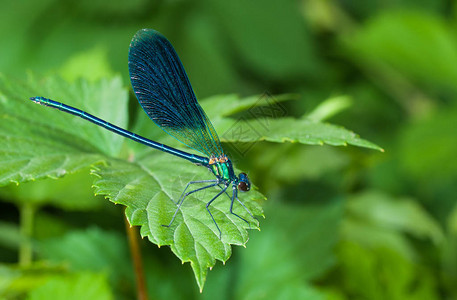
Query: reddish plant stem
(132, 233)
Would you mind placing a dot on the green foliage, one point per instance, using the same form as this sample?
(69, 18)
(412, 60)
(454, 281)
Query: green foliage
(92, 65)
(16, 281)
(294, 262)
(9, 236)
(35, 144)
(377, 220)
(193, 236)
(340, 223)
(383, 274)
(291, 53)
(93, 249)
(402, 40)
(427, 144)
(53, 145)
(305, 132)
(77, 286)
(45, 192)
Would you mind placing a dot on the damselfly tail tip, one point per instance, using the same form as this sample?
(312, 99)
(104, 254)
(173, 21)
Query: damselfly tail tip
(35, 99)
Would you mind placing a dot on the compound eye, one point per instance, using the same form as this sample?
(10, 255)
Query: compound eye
(243, 184)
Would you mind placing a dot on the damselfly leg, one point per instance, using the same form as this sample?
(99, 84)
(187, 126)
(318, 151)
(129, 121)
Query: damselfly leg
(209, 203)
(214, 182)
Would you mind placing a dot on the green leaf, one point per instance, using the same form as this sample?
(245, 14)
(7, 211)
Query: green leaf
(329, 108)
(76, 286)
(90, 250)
(16, 281)
(402, 40)
(383, 274)
(427, 147)
(56, 192)
(266, 121)
(148, 183)
(38, 142)
(378, 220)
(373, 236)
(402, 214)
(272, 48)
(91, 65)
(193, 236)
(226, 105)
(289, 130)
(288, 229)
(315, 163)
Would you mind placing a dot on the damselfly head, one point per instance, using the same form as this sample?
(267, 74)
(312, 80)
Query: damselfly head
(243, 182)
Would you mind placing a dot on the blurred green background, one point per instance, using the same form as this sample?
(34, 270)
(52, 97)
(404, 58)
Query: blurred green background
(341, 222)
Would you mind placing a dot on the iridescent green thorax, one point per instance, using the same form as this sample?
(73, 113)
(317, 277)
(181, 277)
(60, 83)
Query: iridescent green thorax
(222, 167)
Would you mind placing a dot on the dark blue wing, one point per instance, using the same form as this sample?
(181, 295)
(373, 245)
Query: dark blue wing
(164, 91)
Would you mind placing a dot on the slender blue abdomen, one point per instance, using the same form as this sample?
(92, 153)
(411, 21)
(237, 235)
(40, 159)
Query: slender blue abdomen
(137, 138)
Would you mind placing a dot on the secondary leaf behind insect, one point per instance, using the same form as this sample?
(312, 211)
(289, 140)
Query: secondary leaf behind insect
(37, 142)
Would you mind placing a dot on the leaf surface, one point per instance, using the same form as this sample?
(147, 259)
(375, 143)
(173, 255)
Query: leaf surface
(192, 236)
(38, 142)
